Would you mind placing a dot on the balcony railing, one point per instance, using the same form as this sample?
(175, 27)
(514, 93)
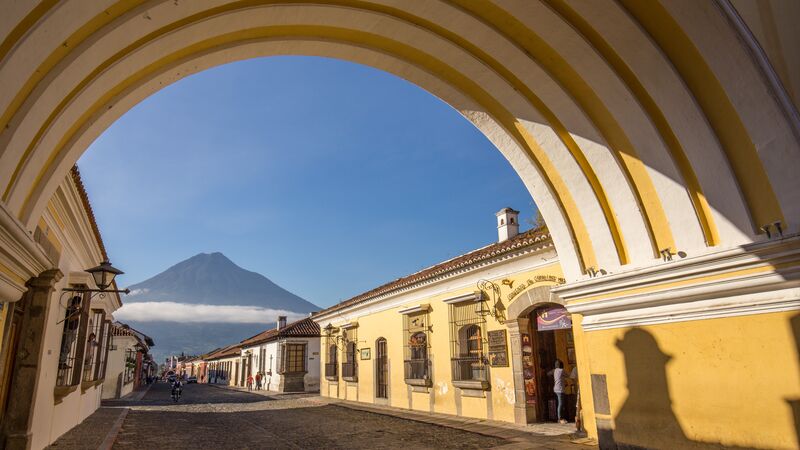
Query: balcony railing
(417, 369)
(349, 371)
(330, 371)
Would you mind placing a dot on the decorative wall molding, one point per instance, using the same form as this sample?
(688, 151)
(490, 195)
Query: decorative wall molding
(21, 258)
(754, 279)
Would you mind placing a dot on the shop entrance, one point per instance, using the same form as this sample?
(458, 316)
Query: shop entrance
(549, 339)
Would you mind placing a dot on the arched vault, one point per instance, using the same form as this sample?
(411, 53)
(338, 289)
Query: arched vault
(639, 127)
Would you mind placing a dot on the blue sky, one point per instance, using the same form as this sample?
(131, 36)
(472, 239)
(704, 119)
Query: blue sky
(327, 177)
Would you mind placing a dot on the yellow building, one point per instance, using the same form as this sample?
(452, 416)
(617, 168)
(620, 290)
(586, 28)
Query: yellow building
(456, 338)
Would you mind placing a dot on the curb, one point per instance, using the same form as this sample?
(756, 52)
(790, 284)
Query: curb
(111, 437)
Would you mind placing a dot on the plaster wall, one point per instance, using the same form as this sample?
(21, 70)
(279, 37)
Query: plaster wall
(497, 402)
(729, 381)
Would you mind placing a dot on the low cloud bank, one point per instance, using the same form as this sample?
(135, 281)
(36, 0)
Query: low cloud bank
(187, 312)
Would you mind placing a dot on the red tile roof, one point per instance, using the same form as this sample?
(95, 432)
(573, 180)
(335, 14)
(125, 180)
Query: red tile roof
(301, 328)
(225, 352)
(519, 242)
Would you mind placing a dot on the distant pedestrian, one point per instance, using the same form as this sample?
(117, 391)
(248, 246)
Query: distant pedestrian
(258, 381)
(249, 382)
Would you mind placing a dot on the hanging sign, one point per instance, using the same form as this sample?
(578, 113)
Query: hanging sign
(555, 318)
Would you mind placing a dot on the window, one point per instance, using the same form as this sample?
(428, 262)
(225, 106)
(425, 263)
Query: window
(417, 362)
(130, 365)
(69, 362)
(468, 346)
(350, 365)
(294, 358)
(93, 354)
(382, 369)
(332, 364)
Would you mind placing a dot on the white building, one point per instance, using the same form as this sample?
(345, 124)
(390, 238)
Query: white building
(287, 357)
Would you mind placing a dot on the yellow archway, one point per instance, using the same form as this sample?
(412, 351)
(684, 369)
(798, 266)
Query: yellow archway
(623, 121)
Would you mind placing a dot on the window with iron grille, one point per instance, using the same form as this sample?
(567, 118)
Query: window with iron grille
(293, 358)
(468, 344)
(105, 346)
(417, 347)
(381, 369)
(262, 360)
(75, 322)
(94, 339)
(349, 364)
(130, 365)
(332, 364)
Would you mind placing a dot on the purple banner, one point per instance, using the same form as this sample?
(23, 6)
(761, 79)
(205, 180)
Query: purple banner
(555, 318)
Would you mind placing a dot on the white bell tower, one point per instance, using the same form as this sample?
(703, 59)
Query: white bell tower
(507, 224)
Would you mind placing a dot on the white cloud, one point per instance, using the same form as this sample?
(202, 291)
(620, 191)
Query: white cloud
(186, 312)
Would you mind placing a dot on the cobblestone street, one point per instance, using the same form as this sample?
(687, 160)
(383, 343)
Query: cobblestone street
(216, 417)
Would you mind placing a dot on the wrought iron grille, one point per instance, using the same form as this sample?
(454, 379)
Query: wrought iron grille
(417, 346)
(330, 370)
(130, 365)
(67, 357)
(94, 339)
(468, 343)
(105, 345)
(350, 364)
(381, 369)
(417, 369)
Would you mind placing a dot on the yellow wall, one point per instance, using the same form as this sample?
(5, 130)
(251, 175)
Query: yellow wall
(730, 381)
(389, 325)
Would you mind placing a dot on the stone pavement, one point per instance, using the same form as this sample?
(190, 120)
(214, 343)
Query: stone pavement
(224, 418)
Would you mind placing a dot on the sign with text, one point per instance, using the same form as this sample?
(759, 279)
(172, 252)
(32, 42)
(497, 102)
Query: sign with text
(554, 318)
(498, 348)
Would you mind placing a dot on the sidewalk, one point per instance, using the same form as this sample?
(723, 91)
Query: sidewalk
(543, 435)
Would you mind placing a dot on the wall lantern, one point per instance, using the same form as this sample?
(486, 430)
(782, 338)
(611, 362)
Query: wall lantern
(104, 274)
(490, 292)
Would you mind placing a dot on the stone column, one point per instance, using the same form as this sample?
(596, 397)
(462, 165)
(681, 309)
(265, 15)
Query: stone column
(25, 377)
(523, 414)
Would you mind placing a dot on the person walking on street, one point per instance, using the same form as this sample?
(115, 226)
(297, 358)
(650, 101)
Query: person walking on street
(249, 382)
(258, 381)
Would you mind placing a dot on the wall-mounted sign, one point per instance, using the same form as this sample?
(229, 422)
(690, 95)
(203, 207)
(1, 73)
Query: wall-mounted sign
(498, 348)
(365, 353)
(554, 318)
(531, 281)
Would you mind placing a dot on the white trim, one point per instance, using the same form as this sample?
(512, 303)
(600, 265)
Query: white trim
(738, 305)
(471, 297)
(349, 325)
(415, 309)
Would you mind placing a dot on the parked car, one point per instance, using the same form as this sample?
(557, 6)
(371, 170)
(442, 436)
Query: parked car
(191, 380)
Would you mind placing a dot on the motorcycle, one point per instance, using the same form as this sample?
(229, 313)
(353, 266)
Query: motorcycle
(176, 394)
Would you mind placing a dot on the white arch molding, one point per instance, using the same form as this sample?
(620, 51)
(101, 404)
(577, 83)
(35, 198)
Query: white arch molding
(630, 143)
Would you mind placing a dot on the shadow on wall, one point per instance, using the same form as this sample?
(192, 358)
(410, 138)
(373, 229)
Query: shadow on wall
(646, 419)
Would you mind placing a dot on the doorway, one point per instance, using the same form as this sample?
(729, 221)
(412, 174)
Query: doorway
(551, 330)
(381, 370)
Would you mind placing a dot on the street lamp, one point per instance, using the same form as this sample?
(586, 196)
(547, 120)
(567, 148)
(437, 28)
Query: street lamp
(104, 274)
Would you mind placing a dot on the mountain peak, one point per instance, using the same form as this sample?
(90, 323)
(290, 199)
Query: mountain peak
(212, 278)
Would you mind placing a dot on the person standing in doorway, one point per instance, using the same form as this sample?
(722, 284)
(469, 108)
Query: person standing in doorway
(558, 388)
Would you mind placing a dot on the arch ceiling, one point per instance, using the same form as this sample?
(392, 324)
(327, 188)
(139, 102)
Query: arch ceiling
(636, 126)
